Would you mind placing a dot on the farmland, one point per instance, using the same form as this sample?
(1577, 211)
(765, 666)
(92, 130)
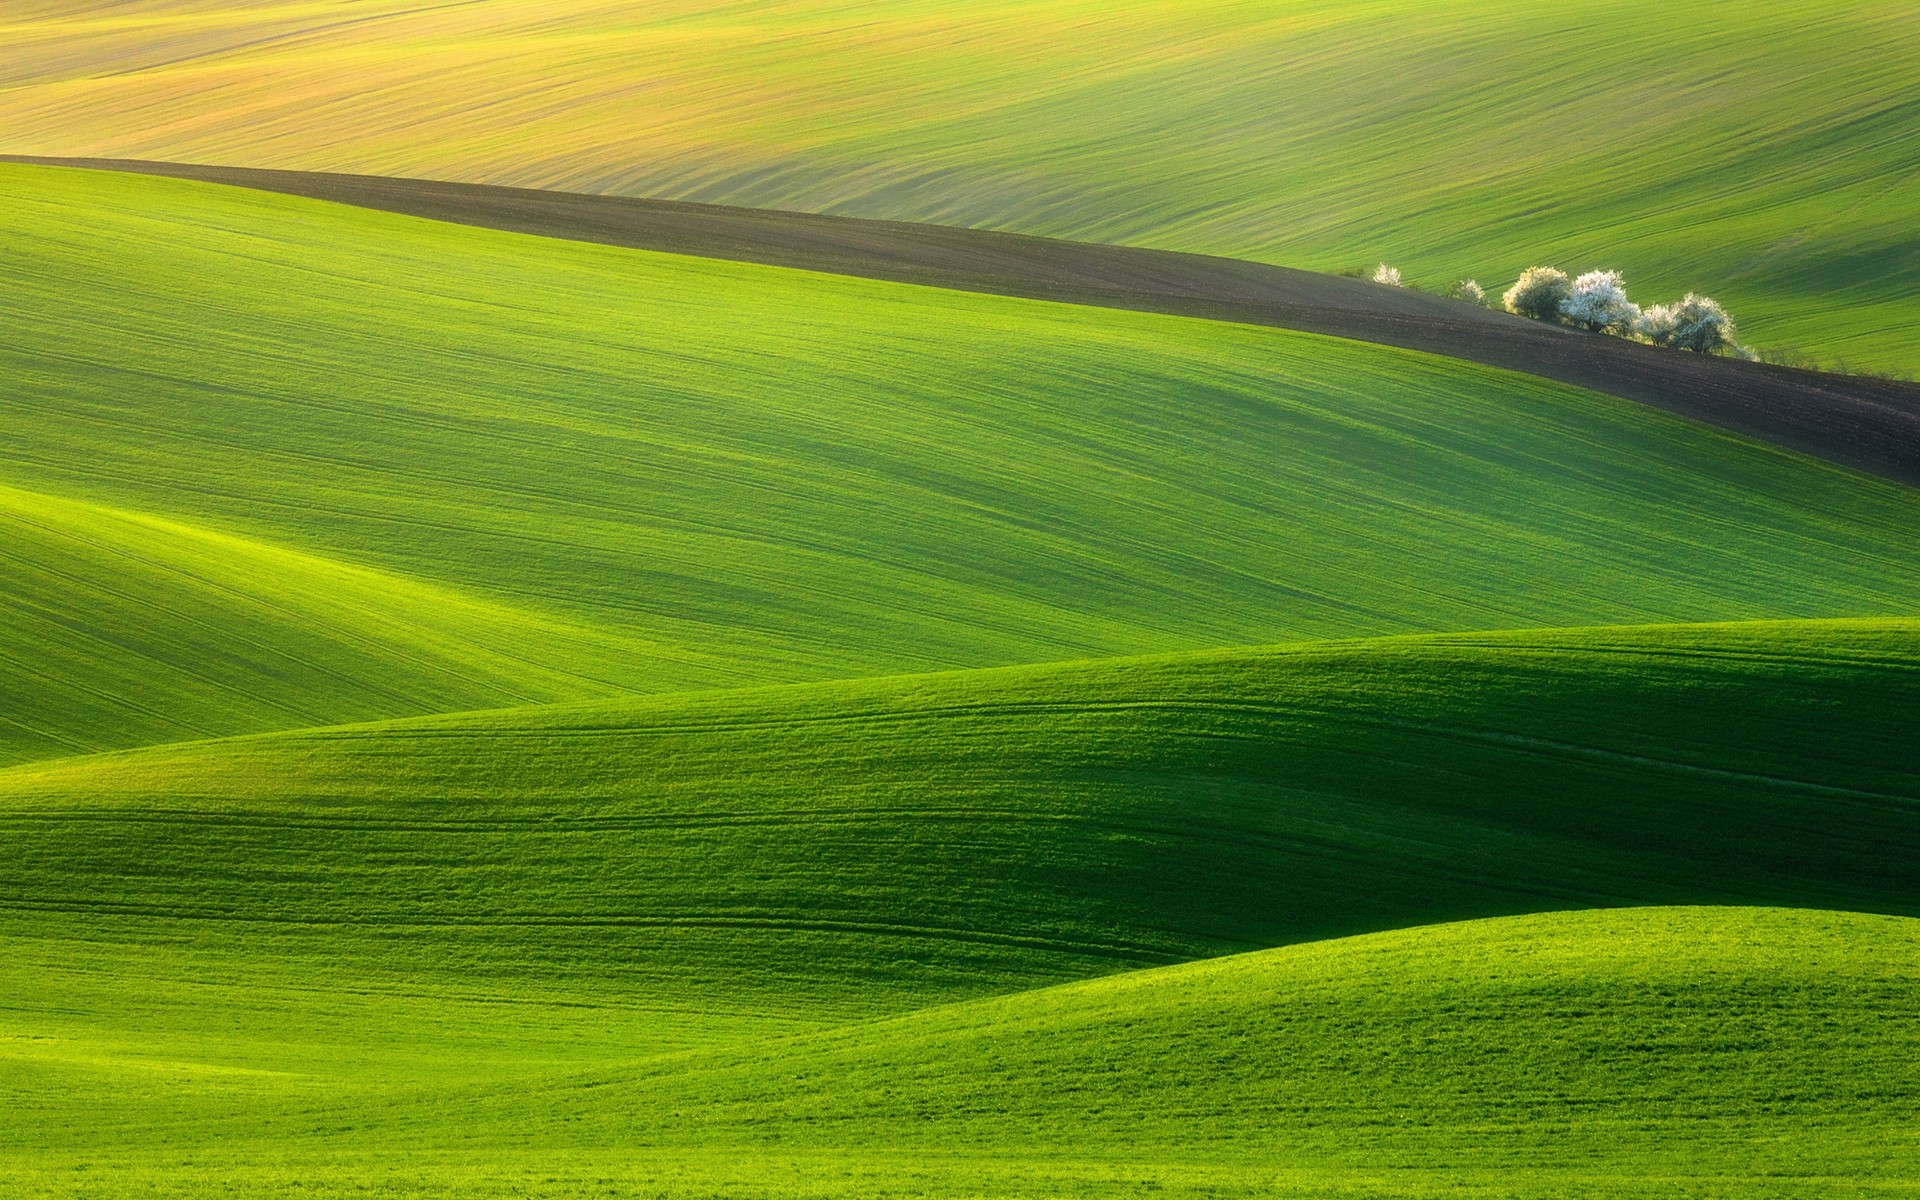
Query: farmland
(1757, 152)
(575, 919)
(732, 479)
(582, 693)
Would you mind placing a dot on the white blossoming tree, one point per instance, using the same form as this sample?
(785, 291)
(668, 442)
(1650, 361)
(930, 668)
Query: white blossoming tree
(1598, 303)
(1539, 293)
(1387, 275)
(1468, 290)
(1696, 323)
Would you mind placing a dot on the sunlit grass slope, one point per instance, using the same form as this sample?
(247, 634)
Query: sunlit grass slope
(744, 475)
(1759, 152)
(121, 629)
(1714, 1053)
(825, 852)
(1752, 1050)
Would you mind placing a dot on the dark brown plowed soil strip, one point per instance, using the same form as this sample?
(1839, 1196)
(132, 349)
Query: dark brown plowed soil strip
(1870, 424)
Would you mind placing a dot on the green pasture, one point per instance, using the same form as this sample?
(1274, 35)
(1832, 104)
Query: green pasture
(1706, 1052)
(869, 845)
(124, 629)
(1762, 153)
(1611, 1050)
(491, 717)
(674, 473)
(505, 932)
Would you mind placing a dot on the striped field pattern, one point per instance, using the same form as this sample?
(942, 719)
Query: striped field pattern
(1762, 153)
(324, 924)
(646, 473)
(499, 717)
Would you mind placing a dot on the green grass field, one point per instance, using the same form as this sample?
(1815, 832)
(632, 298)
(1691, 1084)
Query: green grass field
(126, 629)
(531, 918)
(486, 716)
(835, 846)
(1709, 1052)
(644, 473)
(1760, 153)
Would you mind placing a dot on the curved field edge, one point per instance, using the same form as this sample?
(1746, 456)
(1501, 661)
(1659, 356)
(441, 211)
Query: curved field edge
(1641, 1025)
(124, 629)
(823, 852)
(1869, 424)
(1624, 1054)
(748, 475)
(1759, 154)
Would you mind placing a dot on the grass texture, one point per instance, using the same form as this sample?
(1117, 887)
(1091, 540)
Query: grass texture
(1766, 1047)
(681, 473)
(954, 833)
(480, 933)
(791, 857)
(124, 629)
(1715, 1052)
(1756, 152)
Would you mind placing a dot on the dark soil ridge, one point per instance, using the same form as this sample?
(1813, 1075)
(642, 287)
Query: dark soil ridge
(1869, 424)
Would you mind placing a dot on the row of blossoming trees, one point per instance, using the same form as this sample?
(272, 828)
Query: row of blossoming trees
(1597, 302)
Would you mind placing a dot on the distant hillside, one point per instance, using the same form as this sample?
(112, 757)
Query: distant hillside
(1870, 423)
(1762, 153)
(681, 473)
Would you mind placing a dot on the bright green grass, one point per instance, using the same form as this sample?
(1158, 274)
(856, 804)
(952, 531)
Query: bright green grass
(121, 629)
(627, 878)
(267, 463)
(1698, 1052)
(1711, 1042)
(1761, 152)
(733, 474)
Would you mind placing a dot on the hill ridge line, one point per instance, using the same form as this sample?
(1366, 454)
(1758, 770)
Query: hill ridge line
(1868, 424)
(130, 585)
(325, 561)
(899, 684)
(991, 1010)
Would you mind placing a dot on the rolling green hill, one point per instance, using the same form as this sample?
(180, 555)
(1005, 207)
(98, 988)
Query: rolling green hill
(1761, 153)
(1756, 1051)
(791, 856)
(253, 934)
(1717, 1053)
(699, 474)
(122, 629)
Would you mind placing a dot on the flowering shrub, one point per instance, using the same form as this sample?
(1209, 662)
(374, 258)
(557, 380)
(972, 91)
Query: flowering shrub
(1598, 303)
(1539, 293)
(1696, 323)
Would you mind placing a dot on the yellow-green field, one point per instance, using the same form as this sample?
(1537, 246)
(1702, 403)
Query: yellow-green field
(1762, 153)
